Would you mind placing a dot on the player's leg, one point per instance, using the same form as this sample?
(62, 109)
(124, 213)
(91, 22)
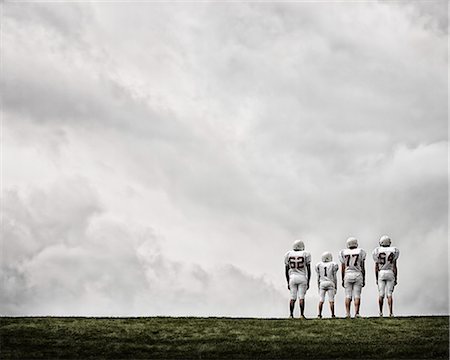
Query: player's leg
(380, 304)
(357, 293)
(301, 299)
(294, 290)
(321, 301)
(391, 305)
(357, 287)
(320, 309)
(389, 291)
(332, 309)
(331, 294)
(291, 308)
(381, 293)
(348, 297)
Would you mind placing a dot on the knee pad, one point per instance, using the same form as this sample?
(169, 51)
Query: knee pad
(301, 291)
(381, 288)
(349, 291)
(389, 288)
(357, 291)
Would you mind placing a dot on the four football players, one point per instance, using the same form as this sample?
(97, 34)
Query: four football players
(298, 275)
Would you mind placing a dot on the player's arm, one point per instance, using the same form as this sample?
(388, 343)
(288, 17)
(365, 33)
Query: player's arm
(343, 273)
(363, 271)
(335, 270)
(318, 276)
(395, 272)
(286, 267)
(377, 269)
(308, 267)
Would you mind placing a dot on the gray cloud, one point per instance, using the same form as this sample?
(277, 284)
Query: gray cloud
(72, 260)
(224, 128)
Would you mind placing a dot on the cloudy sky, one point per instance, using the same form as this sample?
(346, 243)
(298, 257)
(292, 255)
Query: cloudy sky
(161, 158)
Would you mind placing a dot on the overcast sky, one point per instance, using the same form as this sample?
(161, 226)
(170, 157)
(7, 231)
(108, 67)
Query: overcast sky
(160, 159)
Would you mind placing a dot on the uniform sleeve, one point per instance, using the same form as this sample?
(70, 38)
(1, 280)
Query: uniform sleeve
(363, 255)
(286, 258)
(317, 268)
(308, 258)
(335, 267)
(396, 254)
(375, 254)
(341, 256)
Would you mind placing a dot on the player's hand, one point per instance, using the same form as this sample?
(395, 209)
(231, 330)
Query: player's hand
(395, 282)
(289, 288)
(363, 284)
(307, 286)
(342, 283)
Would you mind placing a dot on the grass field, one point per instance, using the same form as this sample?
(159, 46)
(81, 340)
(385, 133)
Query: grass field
(212, 338)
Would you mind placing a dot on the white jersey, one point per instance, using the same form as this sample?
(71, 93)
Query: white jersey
(385, 257)
(353, 259)
(297, 260)
(326, 271)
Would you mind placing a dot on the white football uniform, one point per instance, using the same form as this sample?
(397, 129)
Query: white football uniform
(353, 278)
(326, 274)
(385, 257)
(298, 272)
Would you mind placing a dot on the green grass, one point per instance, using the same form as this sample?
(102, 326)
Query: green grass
(212, 338)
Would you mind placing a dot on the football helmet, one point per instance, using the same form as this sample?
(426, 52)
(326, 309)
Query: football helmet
(298, 245)
(385, 240)
(352, 242)
(327, 257)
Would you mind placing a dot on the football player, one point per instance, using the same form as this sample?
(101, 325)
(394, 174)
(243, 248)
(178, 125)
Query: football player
(353, 274)
(385, 257)
(327, 281)
(298, 274)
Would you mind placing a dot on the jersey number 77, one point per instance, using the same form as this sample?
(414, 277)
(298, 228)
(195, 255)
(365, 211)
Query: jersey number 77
(351, 258)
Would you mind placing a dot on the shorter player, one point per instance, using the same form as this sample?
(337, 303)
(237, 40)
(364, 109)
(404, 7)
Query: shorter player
(327, 281)
(385, 257)
(298, 274)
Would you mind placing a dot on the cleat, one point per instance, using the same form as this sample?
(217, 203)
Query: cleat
(333, 316)
(391, 315)
(319, 316)
(303, 317)
(381, 314)
(357, 316)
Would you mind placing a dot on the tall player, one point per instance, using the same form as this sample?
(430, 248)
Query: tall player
(353, 274)
(385, 257)
(298, 274)
(327, 281)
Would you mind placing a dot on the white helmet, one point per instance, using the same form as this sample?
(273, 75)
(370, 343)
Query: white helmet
(327, 257)
(352, 242)
(298, 245)
(385, 240)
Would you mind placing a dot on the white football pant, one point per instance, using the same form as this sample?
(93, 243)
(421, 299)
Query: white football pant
(386, 280)
(353, 284)
(298, 284)
(327, 287)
